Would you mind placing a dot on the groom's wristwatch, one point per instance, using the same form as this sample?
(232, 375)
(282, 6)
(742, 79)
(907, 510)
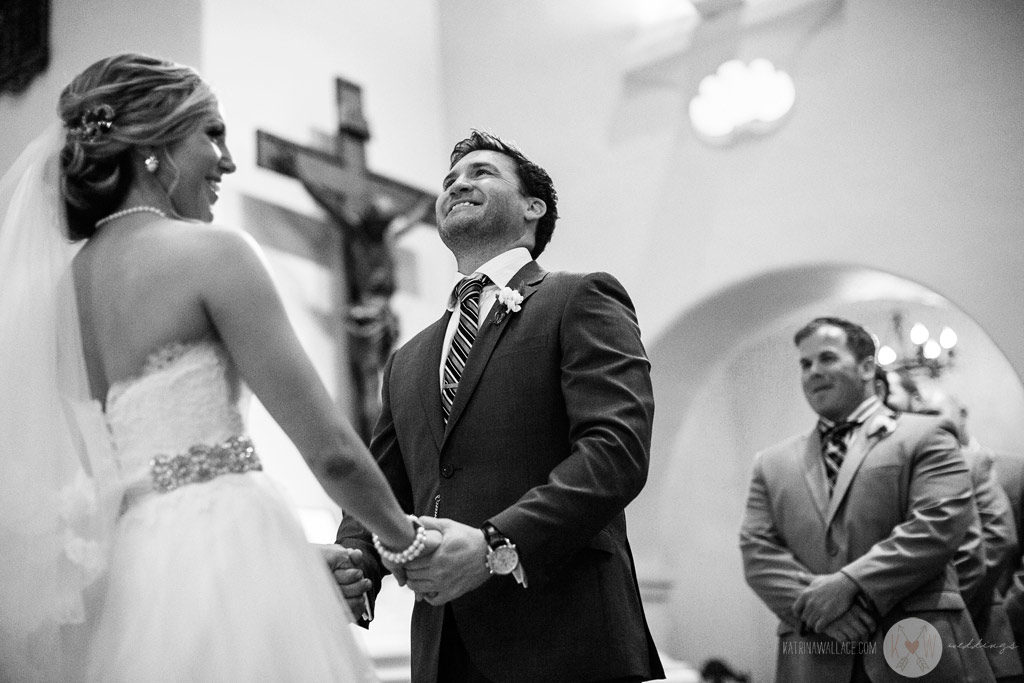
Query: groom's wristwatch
(502, 557)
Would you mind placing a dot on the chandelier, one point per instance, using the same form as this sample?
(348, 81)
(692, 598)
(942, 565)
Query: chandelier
(918, 351)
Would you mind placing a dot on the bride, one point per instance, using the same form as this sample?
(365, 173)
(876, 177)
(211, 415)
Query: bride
(137, 528)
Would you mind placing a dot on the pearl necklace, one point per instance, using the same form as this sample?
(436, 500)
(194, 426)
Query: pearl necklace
(130, 210)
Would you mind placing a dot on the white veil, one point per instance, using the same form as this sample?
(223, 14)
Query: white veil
(58, 487)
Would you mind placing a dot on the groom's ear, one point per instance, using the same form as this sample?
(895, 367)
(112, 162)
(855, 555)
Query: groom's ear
(535, 208)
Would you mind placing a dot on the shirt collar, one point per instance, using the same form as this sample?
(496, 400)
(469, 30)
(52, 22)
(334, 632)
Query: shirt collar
(499, 269)
(866, 407)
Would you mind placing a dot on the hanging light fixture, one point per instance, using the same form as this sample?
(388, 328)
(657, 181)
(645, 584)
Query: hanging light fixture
(741, 98)
(919, 351)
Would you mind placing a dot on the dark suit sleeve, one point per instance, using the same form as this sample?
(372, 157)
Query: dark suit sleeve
(939, 512)
(385, 449)
(609, 404)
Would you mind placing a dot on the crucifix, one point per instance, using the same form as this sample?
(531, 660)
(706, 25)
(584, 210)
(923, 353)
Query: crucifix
(370, 211)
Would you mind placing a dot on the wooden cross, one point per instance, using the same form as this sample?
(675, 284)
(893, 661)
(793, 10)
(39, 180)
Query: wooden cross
(371, 211)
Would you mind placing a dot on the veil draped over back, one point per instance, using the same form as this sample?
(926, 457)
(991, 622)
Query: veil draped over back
(58, 481)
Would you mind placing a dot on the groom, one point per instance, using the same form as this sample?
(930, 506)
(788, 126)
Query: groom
(518, 425)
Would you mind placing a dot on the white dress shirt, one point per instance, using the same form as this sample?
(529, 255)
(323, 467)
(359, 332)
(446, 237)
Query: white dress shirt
(499, 270)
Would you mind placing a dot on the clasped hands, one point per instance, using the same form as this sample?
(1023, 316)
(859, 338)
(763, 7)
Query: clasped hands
(827, 605)
(451, 564)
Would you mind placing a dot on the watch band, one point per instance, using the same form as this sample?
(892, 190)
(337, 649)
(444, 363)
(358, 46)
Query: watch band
(492, 536)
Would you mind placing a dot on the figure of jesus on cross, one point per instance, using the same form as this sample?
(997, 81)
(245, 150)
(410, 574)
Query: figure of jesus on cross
(371, 211)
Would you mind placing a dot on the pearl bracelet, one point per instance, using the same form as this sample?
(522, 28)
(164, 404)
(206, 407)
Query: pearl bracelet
(410, 553)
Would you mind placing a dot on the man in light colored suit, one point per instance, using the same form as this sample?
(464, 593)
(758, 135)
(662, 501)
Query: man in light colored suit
(993, 549)
(851, 528)
(518, 425)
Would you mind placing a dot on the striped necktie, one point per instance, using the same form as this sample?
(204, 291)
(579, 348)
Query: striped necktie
(468, 292)
(833, 448)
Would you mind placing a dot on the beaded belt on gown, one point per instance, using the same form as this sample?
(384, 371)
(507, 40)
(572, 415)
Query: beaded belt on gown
(202, 463)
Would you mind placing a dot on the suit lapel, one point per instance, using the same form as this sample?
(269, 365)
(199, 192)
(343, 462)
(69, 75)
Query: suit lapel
(814, 473)
(860, 445)
(428, 381)
(528, 279)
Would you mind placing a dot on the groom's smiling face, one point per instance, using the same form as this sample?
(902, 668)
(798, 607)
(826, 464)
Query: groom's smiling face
(481, 199)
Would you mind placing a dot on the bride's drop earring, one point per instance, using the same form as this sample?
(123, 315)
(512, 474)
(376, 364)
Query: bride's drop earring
(152, 163)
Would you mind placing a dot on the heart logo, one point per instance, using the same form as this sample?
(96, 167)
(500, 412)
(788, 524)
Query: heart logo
(912, 647)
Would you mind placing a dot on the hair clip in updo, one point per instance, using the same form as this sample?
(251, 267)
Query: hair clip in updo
(94, 122)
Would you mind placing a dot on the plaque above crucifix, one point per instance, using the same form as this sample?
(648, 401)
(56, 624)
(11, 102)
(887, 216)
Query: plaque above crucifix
(371, 211)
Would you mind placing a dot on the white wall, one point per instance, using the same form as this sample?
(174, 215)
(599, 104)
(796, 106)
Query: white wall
(903, 152)
(81, 33)
(274, 66)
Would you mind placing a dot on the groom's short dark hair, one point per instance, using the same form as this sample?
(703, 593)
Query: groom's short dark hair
(534, 180)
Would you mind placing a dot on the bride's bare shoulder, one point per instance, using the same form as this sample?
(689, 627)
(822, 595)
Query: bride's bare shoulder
(224, 259)
(205, 244)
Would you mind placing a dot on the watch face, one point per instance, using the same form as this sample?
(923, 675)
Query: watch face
(503, 559)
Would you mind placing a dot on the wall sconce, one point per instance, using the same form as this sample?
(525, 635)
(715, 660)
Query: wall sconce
(918, 351)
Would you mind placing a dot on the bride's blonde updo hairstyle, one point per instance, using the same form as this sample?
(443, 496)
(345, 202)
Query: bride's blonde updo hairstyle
(117, 108)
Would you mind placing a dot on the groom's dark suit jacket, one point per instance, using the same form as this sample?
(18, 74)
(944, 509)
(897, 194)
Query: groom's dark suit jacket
(548, 439)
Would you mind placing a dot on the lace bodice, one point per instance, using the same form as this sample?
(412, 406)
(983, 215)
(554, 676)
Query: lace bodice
(199, 525)
(187, 394)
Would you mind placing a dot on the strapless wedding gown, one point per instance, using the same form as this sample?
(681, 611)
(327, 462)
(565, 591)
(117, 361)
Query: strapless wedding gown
(211, 578)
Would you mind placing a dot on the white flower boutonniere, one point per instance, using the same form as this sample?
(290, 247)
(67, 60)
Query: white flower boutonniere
(510, 301)
(881, 426)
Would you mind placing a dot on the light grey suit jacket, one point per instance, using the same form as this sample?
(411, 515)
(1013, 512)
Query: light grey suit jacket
(901, 505)
(987, 553)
